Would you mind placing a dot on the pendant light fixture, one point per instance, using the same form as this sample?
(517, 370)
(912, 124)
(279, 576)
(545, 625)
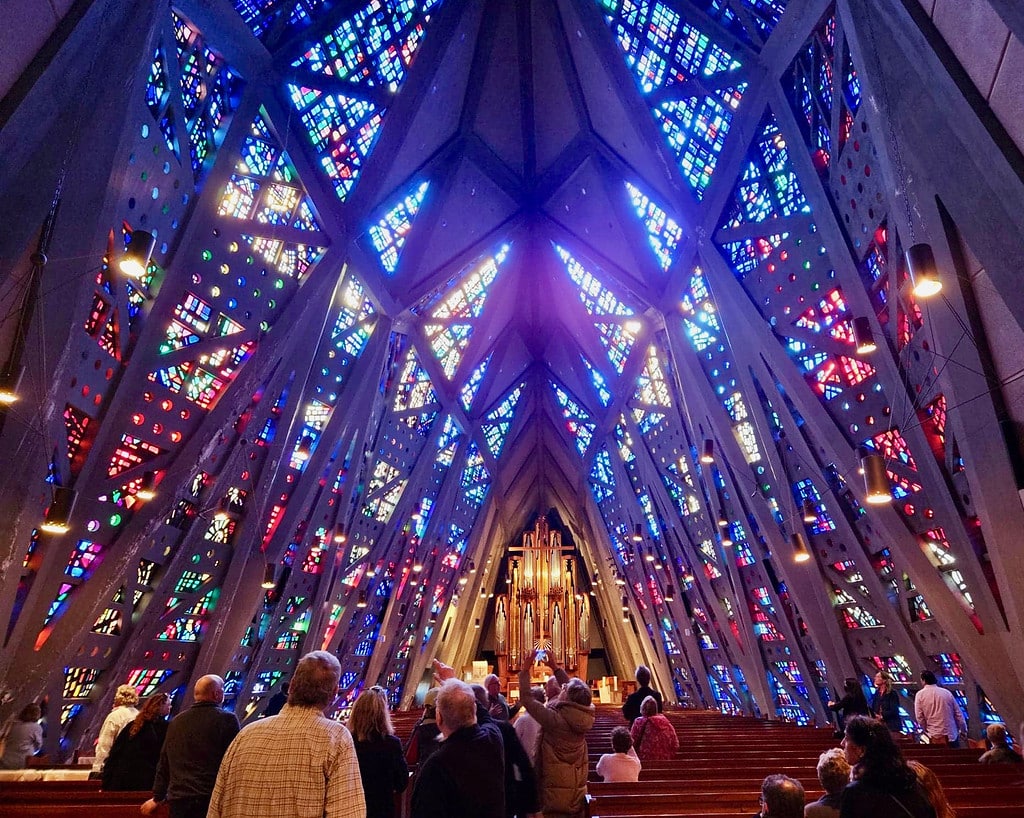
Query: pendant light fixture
(707, 452)
(268, 583)
(810, 513)
(638, 533)
(305, 448)
(138, 254)
(801, 551)
(670, 593)
(863, 337)
(58, 515)
(340, 535)
(10, 382)
(876, 480)
(147, 487)
(923, 271)
(361, 603)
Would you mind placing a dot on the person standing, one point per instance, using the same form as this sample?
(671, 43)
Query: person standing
(853, 703)
(885, 704)
(277, 701)
(465, 776)
(296, 763)
(382, 766)
(124, 712)
(195, 744)
(497, 707)
(631, 709)
(937, 712)
(562, 760)
(24, 738)
(132, 762)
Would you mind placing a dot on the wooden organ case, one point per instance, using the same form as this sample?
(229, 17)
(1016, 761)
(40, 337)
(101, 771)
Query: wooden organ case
(543, 607)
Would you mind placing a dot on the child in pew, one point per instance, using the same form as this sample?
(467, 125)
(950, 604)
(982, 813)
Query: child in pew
(623, 765)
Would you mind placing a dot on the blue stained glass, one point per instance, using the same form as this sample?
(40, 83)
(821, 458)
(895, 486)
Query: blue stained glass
(342, 130)
(577, 420)
(769, 186)
(156, 84)
(391, 230)
(472, 385)
(499, 421)
(695, 129)
(597, 379)
(374, 46)
(602, 478)
(259, 15)
(475, 479)
(617, 337)
(663, 233)
(669, 54)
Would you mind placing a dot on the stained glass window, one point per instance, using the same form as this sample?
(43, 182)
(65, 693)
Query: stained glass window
(389, 233)
(663, 233)
(616, 336)
(693, 75)
(577, 421)
(342, 130)
(374, 46)
(451, 321)
(498, 422)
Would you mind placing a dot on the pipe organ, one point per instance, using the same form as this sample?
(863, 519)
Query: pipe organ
(543, 607)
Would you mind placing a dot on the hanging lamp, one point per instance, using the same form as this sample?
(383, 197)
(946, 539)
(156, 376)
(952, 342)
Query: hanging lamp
(137, 255)
(707, 452)
(863, 337)
(876, 480)
(58, 515)
(923, 271)
(801, 551)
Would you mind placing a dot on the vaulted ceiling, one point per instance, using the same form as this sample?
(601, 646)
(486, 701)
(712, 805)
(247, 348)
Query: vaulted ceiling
(424, 271)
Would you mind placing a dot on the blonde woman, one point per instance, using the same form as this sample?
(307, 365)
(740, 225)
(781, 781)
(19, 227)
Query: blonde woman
(381, 760)
(125, 699)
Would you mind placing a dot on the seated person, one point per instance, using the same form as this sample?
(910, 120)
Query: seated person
(834, 775)
(653, 735)
(782, 797)
(621, 765)
(1000, 752)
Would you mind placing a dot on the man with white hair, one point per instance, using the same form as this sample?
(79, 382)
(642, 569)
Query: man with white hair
(497, 707)
(195, 744)
(298, 762)
(465, 777)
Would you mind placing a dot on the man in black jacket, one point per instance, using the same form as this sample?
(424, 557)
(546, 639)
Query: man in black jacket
(521, 796)
(466, 774)
(631, 709)
(196, 742)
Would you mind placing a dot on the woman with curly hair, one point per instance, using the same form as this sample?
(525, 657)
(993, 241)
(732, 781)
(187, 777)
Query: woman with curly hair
(882, 781)
(132, 762)
(125, 699)
(382, 764)
(933, 790)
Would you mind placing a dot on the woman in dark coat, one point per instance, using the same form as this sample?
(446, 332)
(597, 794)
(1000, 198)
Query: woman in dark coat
(382, 764)
(853, 703)
(882, 781)
(133, 757)
(885, 704)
